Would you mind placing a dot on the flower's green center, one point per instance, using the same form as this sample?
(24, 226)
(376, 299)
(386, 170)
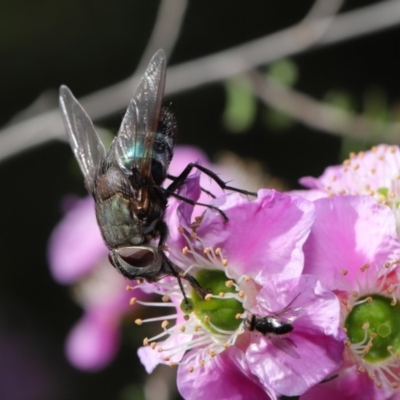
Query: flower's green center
(374, 325)
(383, 191)
(220, 310)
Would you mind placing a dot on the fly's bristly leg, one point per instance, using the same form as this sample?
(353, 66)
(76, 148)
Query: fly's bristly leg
(179, 180)
(195, 203)
(176, 271)
(173, 178)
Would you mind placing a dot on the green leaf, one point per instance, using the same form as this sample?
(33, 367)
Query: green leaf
(284, 71)
(241, 106)
(340, 99)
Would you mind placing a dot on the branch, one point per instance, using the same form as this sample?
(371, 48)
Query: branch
(209, 69)
(322, 116)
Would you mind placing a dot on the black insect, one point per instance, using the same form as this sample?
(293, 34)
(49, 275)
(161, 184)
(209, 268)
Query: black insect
(126, 181)
(276, 326)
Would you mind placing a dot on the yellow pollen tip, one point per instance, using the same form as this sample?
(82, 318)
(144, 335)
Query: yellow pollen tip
(182, 328)
(218, 251)
(344, 272)
(129, 288)
(369, 299)
(193, 235)
(132, 301)
(378, 385)
(238, 316)
(394, 385)
(229, 283)
(361, 370)
(241, 294)
(212, 353)
(197, 328)
(191, 369)
(365, 325)
(139, 281)
(202, 362)
(207, 250)
(186, 317)
(164, 324)
(208, 297)
(355, 294)
(206, 318)
(221, 294)
(160, 349)
(138, 321)
(180, 229)
(226, 345)
(165, 298)
(185, 250)
(166, 358)
(393, 302)
(224, 262)
(145, 341)
(247, 278)
(153, 345)
(172, 364)
(364, 267)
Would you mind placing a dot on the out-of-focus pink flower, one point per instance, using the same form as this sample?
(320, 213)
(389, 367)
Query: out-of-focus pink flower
(253, 264)
(353, 249)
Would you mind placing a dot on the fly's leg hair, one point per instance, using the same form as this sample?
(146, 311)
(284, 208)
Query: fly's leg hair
(195, 203)
(173, 178)
(179, 180)
(177, 272)
(330, 378)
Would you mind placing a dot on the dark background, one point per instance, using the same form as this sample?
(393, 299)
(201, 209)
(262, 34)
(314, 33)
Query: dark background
(91, 44)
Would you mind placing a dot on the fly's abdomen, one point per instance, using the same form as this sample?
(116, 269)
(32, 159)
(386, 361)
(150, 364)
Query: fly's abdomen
(118, 225)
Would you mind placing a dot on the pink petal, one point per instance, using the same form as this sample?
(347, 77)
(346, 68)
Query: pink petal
(263, 238)
(225, 376)
(348, 385)
(93, 342)
(76, 243)
(349, 232)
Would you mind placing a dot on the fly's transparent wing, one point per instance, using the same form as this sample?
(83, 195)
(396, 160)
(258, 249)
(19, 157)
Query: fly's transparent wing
(284, 344)
(85, 143)
(289, 315)
(133, 146)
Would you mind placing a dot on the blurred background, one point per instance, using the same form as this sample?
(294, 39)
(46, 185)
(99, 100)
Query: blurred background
(274, 89)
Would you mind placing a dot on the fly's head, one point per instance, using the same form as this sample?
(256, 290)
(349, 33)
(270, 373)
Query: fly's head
(138, 262)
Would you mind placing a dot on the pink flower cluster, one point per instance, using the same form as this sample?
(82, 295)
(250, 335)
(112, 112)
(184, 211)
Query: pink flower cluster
(303, 289)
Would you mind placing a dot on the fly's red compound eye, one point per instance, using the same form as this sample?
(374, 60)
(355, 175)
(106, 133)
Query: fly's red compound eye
(137, 257)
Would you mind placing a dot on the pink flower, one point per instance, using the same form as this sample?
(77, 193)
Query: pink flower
(253, 265)
(353, 249)
(375, 173)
